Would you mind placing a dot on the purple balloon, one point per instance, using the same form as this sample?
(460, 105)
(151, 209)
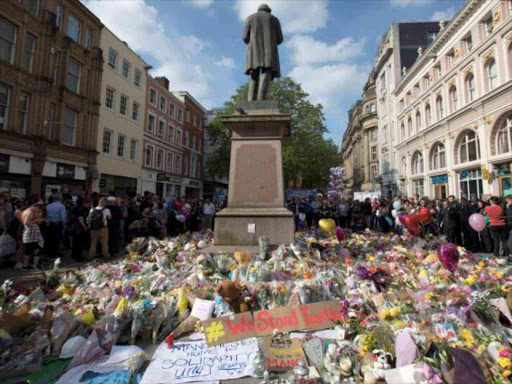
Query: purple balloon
(477, 222)
(449, 256)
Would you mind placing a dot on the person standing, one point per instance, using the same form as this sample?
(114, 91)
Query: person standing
(160, 214)
(485, 236)
(498, 226)
(98, 220)
(79, 229)
(33, 241)
(114, 226)
(57, 218)
(208, 213)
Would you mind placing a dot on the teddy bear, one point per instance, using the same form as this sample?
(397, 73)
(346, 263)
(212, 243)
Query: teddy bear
(232, 294)
(382, 363)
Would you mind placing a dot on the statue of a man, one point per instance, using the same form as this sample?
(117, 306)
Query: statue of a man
(262, 34)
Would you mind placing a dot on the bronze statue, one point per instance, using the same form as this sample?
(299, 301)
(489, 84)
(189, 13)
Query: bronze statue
(262, 34)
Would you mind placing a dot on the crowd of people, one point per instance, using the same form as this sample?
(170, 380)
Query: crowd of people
(96, 225)
(449, 217)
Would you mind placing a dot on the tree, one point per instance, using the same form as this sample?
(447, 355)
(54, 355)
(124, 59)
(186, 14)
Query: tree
(307, 155)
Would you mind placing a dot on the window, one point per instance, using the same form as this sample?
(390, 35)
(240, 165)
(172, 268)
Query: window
(195, 121)
(438, 157)
(123, 105)
(402, 131)
(121, 140)
(470, 87)
(417, 163)
(88, 38)
(23, 106)
(169, 162)
(56, 68)
(126, 69)
(169, 133)
(133, 149)
(401, 105)
(178, 138)
(489, 26)
(152, 96)
(431, 36)
(199, 145)
(163, 103)
(74, 28)
(109, 98)
(372, 108)
(453, 98)
(112, 58)
(7, 41)
(177, 165)
(373, 134)
(148, 158)
(69, 131)
(180, 115)
(385, 134)
(471, 183)
(409, 127)
(439, 106)
(404, 165)
(59, 11)
(187, 139)
(373, 153)
(135, 111)
(136, 78)
(468, 41)
(504, 136)
(418, 121)
(418, 187)
(187, 114)
(30, 47)
(193, 162)
(151, 123)
(194, 143)
(161, 128)
(374, 172)
(159, 159)
(469, 147)
(107, 141)
(492, 74)
(428, 115)
(52, 118)
(73, 79)
(33, 5)
(171, 109)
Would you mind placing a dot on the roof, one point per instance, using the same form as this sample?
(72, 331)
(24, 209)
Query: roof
(185, 94)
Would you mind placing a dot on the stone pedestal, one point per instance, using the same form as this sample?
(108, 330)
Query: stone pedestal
(256, 191)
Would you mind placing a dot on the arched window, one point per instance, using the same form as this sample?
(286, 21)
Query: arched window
(417, 163)
(470, 88)
(404, 165)
(492, 74)
(504, 137)
(418, 121)
(402, 131)
(438, 156)
(409, 127)
(453, 98)
(439, 107)
(428, 115)
(469, 147)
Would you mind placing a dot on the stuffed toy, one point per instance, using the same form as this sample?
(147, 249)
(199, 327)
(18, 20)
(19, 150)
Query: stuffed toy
(232, 294)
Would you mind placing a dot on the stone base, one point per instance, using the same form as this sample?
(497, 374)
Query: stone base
(232, 226)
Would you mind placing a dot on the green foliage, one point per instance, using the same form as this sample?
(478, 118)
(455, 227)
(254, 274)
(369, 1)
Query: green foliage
(307, 155)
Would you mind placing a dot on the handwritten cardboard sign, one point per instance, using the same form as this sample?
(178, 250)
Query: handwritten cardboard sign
(282, 354)
(310, 317)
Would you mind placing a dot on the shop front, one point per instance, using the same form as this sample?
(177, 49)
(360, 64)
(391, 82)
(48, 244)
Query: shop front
(418, 187)
(440, 186)
(470, 183)
(63, 178)
(149, 181)
(15, 176)
(192, 189)
(504, 178)
(168, 185)
(121, 186)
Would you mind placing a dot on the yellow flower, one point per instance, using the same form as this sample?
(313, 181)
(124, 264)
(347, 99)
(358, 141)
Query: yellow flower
(429, 295)
(423, 274)
(505, 288)
(371, 259)
(480, 266)
(481, 349)
(504, 362)
(470, 280)
(507, 372)
(384, 314)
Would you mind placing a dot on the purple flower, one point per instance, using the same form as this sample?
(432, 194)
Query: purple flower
(363, 273)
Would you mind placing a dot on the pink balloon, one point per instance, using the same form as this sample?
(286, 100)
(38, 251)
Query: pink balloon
(477, 222)
(339, 234)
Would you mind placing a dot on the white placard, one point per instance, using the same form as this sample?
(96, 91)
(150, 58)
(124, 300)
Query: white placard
(194, 361)
(251, 228)
(203, 309)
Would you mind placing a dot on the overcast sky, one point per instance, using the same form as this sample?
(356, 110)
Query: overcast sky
(329, 45)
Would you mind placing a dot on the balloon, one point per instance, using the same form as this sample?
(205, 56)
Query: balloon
(397, 205)
(411, 223)
(394, 213)
(449, 256)
(424, 215)
(327, 225)
(339, 234)
(477, 222)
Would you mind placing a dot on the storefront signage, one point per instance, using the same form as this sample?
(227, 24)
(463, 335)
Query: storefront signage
(4, 163)
(443, 179)
(65, 171)
(463, 174)
(167, 178)
(195, 183)
(300, 193)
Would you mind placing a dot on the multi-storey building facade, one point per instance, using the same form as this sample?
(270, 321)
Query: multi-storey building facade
(50, 81)
(193, 142)
(121, 122)
(397, 52)
(455, 108)
(360, 143)
(163, 140)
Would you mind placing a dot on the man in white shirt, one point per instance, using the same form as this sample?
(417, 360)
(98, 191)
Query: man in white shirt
(97, 220)
(208, 213)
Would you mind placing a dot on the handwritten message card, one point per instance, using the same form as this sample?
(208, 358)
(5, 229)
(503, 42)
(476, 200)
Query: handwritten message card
(282, 354)
(195, 361)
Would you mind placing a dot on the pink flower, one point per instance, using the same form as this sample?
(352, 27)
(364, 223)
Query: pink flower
(506, 353)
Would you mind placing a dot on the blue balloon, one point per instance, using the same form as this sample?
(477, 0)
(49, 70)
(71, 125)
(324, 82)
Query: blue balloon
(397, 205)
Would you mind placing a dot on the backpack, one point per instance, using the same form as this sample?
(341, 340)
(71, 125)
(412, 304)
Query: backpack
(96, 220)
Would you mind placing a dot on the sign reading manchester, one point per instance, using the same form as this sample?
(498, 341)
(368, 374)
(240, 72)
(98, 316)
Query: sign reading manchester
(311, 317)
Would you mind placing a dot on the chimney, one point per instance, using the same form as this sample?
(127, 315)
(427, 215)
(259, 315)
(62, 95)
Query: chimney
(163, 80)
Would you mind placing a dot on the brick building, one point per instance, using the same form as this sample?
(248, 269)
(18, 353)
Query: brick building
(163, 140)
(50, 79)
(193, 141)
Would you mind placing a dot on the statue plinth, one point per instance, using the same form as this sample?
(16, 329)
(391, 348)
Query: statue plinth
(256, 191)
